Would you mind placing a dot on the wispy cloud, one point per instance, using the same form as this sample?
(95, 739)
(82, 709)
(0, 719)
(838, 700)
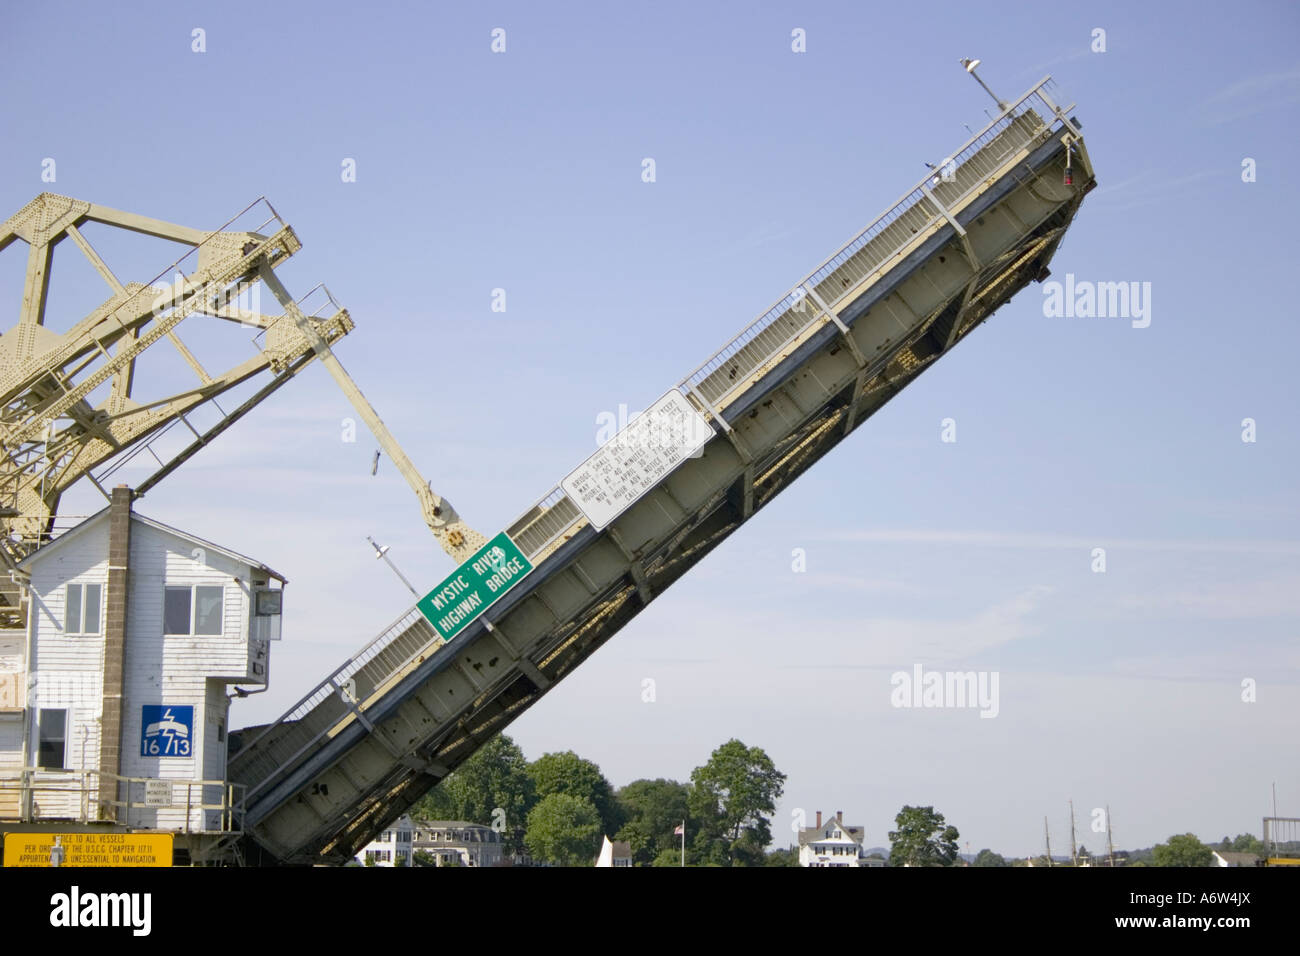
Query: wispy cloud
(1149, 187)
(1273, 596)
(767, 232)
(1039, 542)
(891, 642)
(847, 582)
(1036, 72)
(1269, 666)
(1252, 95)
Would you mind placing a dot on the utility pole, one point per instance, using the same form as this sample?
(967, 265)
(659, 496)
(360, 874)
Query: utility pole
(1047, 836)
(383, 553)
(969, 66)
(1074, 851)
(1110, 843)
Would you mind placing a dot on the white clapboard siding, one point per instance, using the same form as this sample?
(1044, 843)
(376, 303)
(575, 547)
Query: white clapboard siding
(13, 672)
(181, 670)
(83, 561)
(168, 670)
(216, 723)
(66, 670)
(13, 647)
(11, 741)
(11, 762)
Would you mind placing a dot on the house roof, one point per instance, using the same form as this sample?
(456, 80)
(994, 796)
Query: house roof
(622, 850)
(465, 833)
(1235, 858)
(448, 825)
(102, 515)
(815, 834)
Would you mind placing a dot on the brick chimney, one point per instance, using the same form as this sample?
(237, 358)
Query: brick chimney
(110, 739)
(839, 817)
(819, 819)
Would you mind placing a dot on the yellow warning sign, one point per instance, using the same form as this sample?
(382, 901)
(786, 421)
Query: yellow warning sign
(88, 849)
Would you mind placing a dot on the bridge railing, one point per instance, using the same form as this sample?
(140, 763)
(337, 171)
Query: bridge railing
(35, 794)
(956, 180)
(339, 697)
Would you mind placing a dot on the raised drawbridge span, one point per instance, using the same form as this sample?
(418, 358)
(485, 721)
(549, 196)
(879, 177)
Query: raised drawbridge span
(410, 706)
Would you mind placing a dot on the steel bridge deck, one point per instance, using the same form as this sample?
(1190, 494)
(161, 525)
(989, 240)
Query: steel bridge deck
(395, 719)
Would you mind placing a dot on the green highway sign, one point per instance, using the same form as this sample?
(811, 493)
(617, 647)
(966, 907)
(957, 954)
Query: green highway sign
(493, 570)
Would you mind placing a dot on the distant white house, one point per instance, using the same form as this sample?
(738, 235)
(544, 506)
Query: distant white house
(1234, 858)
(614, 853)
(622, 853)
(393, 847)
(458, 843)
(115, 701)
(832, 843)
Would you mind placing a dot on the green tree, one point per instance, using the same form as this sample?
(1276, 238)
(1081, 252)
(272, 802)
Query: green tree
(1143, 856)
(652, 810)
(568, 773)
(1248, 843)
(495, 778)
(922, 839)
(989, 858)
(564, 829)
(1183, 849)
(668, 858)
(730, 799)
(437, 804)
(782, 858)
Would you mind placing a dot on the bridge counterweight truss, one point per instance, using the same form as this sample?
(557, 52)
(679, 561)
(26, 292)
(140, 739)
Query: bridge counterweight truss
(71, 403)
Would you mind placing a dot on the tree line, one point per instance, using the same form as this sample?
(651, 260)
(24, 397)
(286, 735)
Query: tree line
(1181, 849)
(556, 808)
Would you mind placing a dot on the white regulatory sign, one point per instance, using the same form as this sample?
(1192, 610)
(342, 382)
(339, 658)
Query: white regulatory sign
(634, 460)
(157, 793)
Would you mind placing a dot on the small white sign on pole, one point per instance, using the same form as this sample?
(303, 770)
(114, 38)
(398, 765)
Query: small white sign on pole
(637, 458)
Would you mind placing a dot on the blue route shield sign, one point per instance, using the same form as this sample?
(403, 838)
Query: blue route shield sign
(166, 731)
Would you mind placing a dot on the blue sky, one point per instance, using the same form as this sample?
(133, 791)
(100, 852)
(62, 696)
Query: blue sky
(522, 171)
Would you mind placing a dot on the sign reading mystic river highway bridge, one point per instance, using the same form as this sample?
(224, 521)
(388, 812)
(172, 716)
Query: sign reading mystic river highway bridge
(633, 461)
(492, 571)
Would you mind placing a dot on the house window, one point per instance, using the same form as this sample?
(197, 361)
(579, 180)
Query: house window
(81, 609)
(52, 731)
(193, 610)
